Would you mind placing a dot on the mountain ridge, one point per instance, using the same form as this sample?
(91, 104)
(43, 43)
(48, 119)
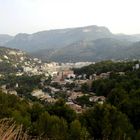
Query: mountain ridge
(87, 43)
(56, 38)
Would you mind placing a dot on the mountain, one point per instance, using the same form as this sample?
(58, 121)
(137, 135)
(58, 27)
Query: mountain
(55, 39)
(90, 43)
(133, 51)
(132, 38)
(95, 50)
(4, 38)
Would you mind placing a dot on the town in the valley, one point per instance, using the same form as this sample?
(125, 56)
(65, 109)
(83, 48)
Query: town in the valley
(58, 80)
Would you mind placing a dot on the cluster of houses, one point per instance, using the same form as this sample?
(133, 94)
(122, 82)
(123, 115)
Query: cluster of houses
(36, 67)
(62, 76)
(6, 90)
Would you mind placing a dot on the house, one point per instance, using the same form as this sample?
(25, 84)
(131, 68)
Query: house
(136, 67)
(77, 108)
(12, 91)
(65, 74)
(53, 89)
(50, 100)
(38, 93)
(8, 91)
(19, 73)
(104, 75)
(27, 69)
(99, 99)
(4, 89)
(121, 73)
(74, 95)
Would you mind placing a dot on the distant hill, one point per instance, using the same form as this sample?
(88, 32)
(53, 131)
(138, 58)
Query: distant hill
(100, 49)
(12, 55)
(12, 60)
(91, 43)
(133, 51)
(5, 38)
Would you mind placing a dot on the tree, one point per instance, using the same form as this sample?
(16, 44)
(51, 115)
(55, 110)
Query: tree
(48, 81)
(103, 87)
(84, 100)
(51, 127)
(138, 135)
(117, 96)
(85, 88)
(77, 132)
(35, 111)
(60, 109)
(105, 122)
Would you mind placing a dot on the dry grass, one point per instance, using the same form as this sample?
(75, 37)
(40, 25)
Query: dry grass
(10, 131)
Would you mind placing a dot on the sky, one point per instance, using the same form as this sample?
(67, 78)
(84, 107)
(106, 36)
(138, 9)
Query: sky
(29, 16)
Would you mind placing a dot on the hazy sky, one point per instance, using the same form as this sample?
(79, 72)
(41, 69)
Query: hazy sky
(120, 16)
